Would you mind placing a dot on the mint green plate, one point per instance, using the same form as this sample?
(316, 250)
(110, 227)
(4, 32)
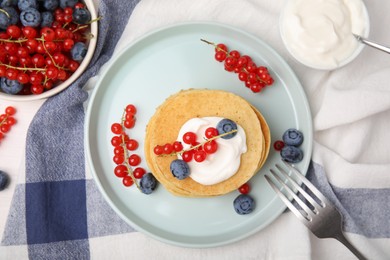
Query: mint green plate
(145, 74)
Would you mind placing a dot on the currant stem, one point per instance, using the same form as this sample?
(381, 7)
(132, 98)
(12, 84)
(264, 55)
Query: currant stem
(6, 13)
(21, 68)
(5, 118)
(199, 145)
(125, 154)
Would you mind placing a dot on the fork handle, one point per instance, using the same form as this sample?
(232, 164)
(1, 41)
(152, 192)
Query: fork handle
(340, 237)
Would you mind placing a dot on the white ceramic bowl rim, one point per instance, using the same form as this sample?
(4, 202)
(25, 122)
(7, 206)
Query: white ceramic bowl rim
(83, 65)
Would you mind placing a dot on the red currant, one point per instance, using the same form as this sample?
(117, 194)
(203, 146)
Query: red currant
(177, 146)
(134, 160)
(221, 47)
(211, 132)
(220, 56)
(167, 148)
(121, 171)
(127, 181)
(189, 138)
(278, 145)
(116, 140)
(132, 145)
(158, 150)
(244, 189)
(139, 172)
(131, 109)
(10, 111)
(129, 123)
(118, 159)
(116, 128)
(200, 156)
(210, 147)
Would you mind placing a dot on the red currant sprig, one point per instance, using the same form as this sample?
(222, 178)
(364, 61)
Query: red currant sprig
(255, 77)
(197, 151)
(122, 146)
(7, 121)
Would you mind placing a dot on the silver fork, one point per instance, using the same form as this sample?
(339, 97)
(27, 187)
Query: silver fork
(318, 213)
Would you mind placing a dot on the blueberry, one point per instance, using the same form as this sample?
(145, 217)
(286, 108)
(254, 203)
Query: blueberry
(47, 19)
(148, 183)
(244, 204)
(180, 169)
(7, 3)
(50, 5)
(25, 4)
(293, 137)
(11, 18)
(68, 3)
(81, 16)
(226, 125)
(3, 180)
(30, 17)
(10, 86)
(291, 154)
(78, 51)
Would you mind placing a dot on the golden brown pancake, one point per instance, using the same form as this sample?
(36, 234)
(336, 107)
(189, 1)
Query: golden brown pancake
(170, 116)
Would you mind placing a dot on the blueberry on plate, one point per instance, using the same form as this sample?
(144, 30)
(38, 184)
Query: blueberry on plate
(180, 169)
(148, 183)
(81, 16)
(50, 5)
(291, 154)
(244, 204)
(68, 3)
(47, 19)
(25, 4)
(3, 180)
(78, 51)
(225, 126)
(293, 136)
(30, 17)
(10, 86)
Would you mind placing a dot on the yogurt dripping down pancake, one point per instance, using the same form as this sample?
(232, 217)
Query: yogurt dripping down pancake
(169, 117)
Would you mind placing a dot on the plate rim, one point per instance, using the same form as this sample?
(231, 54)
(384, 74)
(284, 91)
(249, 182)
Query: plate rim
(106, 68)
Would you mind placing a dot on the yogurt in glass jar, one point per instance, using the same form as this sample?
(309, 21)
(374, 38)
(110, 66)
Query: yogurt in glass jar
(319, 33)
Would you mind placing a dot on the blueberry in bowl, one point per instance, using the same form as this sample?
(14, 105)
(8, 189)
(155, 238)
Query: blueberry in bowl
(42, 47)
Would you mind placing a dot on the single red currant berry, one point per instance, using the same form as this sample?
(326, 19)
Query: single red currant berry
(210, 147)
(177, 146)
(256, 87)
(10, 111)
(73, 65)
(132, 145)
(11, 121)
(187, 156)
(200, 156)
(36, 78)
(11, 73)
(242, 61)
(116, 128)
(36, 89)
(244, 189)
(51, 72)
(23, 78)
(189, 138)
(134, 160)
(221, 47)
(68, 44)
(29, 32)
(230, 61)
(116, 140)
(118, 159)
(167, 148)
(48, 84)
(121, 171)
(131, 109)
(220, 56)
(129, 123)
(243, 76)
(251, 67)
(211, 132)
(118, 150)
(139, 172)
(38, 60)
(5, 128)
(235, 54)
(127, 181)
(158, 150)
(278, 145)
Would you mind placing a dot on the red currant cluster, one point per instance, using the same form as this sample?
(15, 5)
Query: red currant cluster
(40, 58)
(7, 121)
(255, 77)
(197, 151)
(123, 144)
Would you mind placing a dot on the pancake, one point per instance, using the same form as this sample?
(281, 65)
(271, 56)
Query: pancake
(169, 117)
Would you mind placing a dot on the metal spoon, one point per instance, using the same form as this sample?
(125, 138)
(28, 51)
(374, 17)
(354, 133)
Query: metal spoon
(372, 44)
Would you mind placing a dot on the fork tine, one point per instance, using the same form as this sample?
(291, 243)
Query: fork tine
(298, 213)
(308, 184)
(309, 198)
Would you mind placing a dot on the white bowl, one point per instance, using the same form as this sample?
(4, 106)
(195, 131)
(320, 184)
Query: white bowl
(304, 56)
(83, 65)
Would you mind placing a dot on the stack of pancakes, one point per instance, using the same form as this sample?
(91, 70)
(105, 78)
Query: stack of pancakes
(165, 124)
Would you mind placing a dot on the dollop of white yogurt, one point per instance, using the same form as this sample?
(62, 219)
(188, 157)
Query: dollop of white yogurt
(220, 165)
(319, 33)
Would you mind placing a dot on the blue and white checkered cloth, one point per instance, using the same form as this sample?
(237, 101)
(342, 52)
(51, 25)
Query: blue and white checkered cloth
(57, 211)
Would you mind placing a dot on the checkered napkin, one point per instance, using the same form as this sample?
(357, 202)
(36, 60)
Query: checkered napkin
(56, 210)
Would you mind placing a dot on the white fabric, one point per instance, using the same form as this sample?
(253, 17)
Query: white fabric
(350, 108)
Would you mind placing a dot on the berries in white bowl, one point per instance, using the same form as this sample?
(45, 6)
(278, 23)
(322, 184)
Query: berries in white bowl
(44, 46)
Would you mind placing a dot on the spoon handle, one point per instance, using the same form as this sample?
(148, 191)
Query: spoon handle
(373, 44)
